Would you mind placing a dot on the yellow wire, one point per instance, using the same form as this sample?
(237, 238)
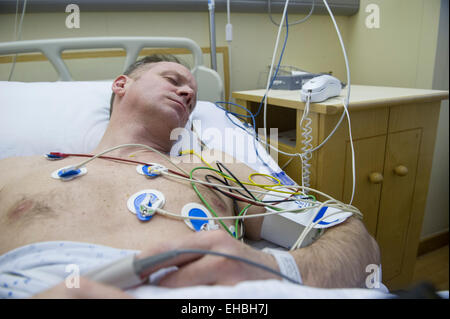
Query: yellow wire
(264, 186)
(198, 155)
(266, 175)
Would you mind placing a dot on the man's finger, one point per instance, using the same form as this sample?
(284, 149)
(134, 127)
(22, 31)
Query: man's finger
(203, 240)
(195, 273)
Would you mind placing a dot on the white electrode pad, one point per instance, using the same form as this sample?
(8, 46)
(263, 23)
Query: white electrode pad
(285, 228)
(144, 203)
(66, 173)
(197, 210)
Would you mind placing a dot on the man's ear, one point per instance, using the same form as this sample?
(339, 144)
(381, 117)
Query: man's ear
(119, 85)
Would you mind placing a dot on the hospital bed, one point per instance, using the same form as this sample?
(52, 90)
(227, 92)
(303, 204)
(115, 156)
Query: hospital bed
(71, 116)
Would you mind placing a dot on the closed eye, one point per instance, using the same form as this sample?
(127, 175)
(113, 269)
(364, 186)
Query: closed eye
(172, 80)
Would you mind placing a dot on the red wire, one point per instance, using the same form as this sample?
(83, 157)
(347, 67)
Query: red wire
(64, 155)
(112, 158)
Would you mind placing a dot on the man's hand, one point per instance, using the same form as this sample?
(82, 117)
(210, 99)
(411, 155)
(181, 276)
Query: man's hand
(88, 290)
(199, 269)
(336, 260)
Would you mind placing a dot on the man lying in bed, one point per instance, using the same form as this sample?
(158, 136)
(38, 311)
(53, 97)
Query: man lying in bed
(82, 215)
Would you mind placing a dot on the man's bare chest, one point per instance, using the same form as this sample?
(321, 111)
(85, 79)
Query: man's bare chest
(105, 189)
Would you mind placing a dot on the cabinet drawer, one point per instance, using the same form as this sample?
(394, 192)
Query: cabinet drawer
(400, 167)
(369, 159)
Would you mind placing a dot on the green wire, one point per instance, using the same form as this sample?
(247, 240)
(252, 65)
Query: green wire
(203, 199)
(212, 210)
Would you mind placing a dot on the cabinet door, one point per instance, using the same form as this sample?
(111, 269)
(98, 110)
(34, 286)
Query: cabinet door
(369, 161)
(396, 199)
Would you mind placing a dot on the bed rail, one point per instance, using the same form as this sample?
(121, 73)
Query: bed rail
(210, 83)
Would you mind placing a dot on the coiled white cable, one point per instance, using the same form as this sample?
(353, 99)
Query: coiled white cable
(307, 145)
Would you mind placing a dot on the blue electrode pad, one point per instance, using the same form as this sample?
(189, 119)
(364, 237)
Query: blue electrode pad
(67, 173)
(197, 210)
(144, 203)
(53, 157)
(151, 170)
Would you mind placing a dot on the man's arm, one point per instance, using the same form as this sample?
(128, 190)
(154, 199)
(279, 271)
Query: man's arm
(337, 259)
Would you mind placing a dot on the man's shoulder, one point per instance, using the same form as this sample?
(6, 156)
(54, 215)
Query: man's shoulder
(19, 160)
(11, 166)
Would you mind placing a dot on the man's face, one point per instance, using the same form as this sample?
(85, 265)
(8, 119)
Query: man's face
(168, 89)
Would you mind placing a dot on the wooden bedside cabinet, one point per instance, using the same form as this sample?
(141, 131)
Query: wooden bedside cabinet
(393, 131)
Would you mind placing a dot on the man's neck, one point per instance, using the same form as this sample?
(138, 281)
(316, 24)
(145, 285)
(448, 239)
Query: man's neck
(120, 134)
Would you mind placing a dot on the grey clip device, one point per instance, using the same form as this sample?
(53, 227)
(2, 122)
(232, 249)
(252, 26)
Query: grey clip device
(128, 272)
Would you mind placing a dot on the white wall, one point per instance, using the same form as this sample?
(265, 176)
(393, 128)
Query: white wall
(437, 210)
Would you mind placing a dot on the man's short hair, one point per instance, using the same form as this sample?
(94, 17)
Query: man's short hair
(133, 70)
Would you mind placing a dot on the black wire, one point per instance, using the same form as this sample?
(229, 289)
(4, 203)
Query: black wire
(207, 177)
(243, 195)
(253, 197)
(152, 261)
(237, 180)
(225, 181)
(236, 208)
(235, 205)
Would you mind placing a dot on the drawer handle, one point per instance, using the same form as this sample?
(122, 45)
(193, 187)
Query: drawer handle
(375, 178)
(401, 170)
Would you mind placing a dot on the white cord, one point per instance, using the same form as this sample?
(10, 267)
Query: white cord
(349, 207)
(18, 35)
(311, 225)
(353, 155)
(229, 38)
(346, 102)
(337, 204)
(269, 11)
(343, 50)
(129, 145)
(271, 68)
(228, 12)
(15, 20)
(347, 98)
(298, 210)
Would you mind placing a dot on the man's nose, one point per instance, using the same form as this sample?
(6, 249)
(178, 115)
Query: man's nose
(187, 93)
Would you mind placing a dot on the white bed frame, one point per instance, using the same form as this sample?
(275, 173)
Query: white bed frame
(92, 103)
(209, 82)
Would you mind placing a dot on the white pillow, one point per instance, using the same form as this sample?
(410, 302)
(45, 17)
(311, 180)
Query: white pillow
(41, 117)
(217, 131)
